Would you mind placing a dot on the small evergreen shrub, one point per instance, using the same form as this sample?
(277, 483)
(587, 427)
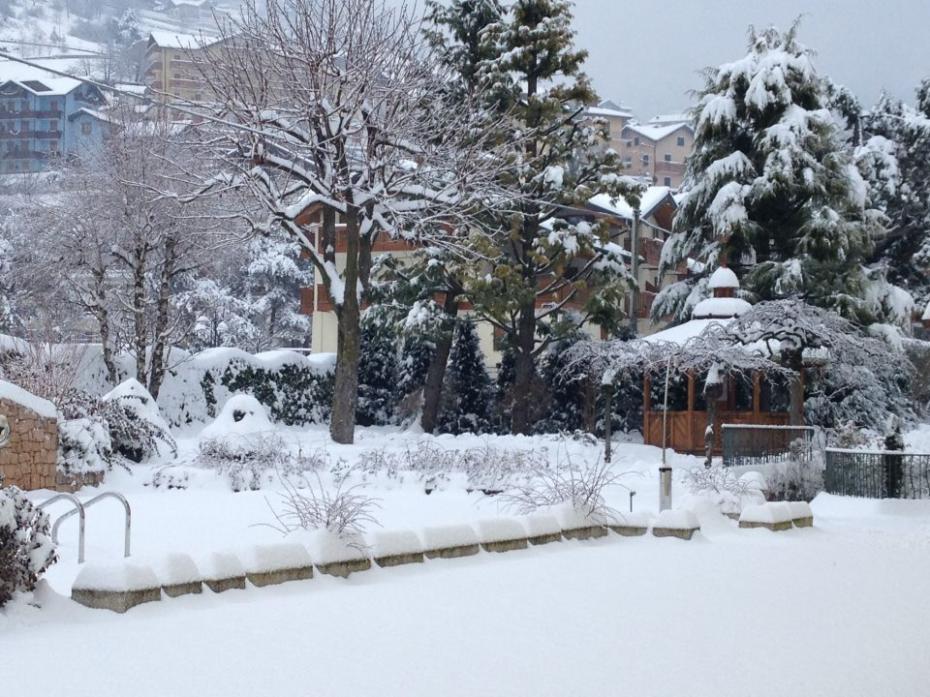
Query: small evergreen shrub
(378, 372)
(26, 549)
(468, 396)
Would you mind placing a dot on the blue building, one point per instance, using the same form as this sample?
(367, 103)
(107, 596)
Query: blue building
(44, 119)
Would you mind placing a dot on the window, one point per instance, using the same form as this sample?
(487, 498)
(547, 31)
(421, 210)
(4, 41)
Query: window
(645, 159)
(668, 181)
(628, 143)
(681, 141)
(636, 141)
(53, 125)
(54, 105)
(86, 129)
(668, 158)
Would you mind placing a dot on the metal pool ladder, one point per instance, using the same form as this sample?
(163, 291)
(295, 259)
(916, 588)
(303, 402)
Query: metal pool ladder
(80, 510)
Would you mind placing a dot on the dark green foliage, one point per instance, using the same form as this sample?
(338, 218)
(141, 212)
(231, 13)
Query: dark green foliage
(378, 372)
(206, 384)
(26, 550)
(468, 393)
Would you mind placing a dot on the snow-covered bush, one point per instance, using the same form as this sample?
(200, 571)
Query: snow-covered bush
(796, 480)
(378, 371)
(581, 487)
(26, 549)
(137, 430)
(729, 491)
(340, 510)
(84, 445)
(468, 396)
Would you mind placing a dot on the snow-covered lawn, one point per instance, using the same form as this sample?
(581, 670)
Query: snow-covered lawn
(841, 609)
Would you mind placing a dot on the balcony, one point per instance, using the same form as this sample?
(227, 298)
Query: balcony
(31, 115)
(663, 167)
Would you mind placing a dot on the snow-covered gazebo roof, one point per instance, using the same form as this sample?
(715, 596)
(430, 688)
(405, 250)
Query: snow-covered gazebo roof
(723, 277)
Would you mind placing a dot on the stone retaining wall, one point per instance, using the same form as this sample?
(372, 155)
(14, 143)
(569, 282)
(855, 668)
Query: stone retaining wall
(29, 460)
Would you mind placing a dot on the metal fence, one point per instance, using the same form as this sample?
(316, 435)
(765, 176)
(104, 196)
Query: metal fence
(877, 474)
(751, 446)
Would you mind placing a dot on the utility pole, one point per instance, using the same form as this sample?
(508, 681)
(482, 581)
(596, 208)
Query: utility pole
(634, 265)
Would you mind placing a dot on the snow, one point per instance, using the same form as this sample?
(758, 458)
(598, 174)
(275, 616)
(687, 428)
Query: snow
(500, 529)
(649, 200)
(128, 576)
(329, 548)
(390, 543)
(133, 394)
(242, 415)
(723, 308)
(657, 133)
(18, 395)
(678, 519)
(682, 333)
(220, 565)
(446, 536)
(768, 513)
(670, 119)
(176, 568)
(800, 509)
(166, 39)
(926, 315)
(539, 524)
(267, 558)
(723, 277)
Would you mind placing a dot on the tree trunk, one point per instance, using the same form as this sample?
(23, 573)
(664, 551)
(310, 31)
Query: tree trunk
(140, 342)
(102, 315)
(345, 393)
(162, 318)
(432, 388)
(523, 370)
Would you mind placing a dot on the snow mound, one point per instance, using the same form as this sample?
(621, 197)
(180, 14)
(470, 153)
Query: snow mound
(128, 576)
(637, 519)
(800, 509)
(220, 565)
(17, 395)
(540, 524)
(571, 518)
(500, 529)
(767, 513)
(720, 308)
(446, 536)
(144, 404)
(723, 278)
(676, 520)
(267, 558)
(176, 568)
(329, 548)
(390, 543)
(242, 415)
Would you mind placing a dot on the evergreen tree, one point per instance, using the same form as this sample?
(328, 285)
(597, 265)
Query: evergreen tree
(894, 162)
(772, 189)
(378, 370)
(469, 397)
(534, 254)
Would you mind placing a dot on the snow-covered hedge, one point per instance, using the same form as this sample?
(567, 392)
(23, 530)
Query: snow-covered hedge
(137, 430)
(26, 549)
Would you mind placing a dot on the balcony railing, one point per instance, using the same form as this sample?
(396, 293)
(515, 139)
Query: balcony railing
(31, 114)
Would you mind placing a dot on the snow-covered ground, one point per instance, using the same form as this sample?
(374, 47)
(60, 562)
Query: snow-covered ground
(840, 609)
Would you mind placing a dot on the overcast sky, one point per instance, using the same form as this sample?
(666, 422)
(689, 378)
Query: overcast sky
(647, 53)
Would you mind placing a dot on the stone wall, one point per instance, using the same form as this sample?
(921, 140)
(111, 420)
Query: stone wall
(29, 460)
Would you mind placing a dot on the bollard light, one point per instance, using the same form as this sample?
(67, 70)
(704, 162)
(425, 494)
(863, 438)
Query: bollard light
(665, 488)
(632, 494)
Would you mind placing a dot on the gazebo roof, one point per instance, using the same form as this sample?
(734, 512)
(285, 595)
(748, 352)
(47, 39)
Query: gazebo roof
(723, 277)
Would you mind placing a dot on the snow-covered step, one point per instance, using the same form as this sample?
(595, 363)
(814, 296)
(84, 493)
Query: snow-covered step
(396, 547)
(450, 541)
(115, 587)
(222, 571)
(680, 523)
(801, 514)
(178, 575)
(336, 555)
(271, 564)
(630, 524)
(502, 534)
(771, 516)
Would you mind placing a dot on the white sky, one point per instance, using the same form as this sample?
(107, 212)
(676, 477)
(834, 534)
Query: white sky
(647, 53)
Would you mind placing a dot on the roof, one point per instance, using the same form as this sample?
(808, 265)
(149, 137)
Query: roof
(168, 39)
(657, 133)
(651, 199)
(723, 278)
(36, 80)
(670, 119)
(93, 113)
(720, 308)
(609, 108)
(683, 333)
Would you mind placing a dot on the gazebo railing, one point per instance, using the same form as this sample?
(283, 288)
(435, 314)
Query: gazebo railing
(877, 474)
(747, 445)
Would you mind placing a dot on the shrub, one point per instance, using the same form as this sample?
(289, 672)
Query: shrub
(729, 490)
(246, 459)
(26, 549)
(135, 432)
(84, 445)
(295, 395)
(340, 510)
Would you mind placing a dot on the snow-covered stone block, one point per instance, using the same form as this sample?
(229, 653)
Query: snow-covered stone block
(271, 564)
(115, 587)
(450, 541)
(396, 547)
(222, 571)
(679, 523)
(576, 525)
(178, 575)
(771, 516)
(542, 528)
(630, 524)
(801, 514)
(338, 555)
(502, 534)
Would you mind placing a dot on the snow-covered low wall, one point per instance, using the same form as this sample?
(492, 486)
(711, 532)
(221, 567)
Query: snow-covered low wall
(28, 460)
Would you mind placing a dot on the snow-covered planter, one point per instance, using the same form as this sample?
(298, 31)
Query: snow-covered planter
(396, 547)
(271, 564)
(115, 587)
(679, 523)
(26, 550)
(450, 541)
(579, 524)
(771, 516)
(801, 514)
(630, 524)
(137, 430)
(338, 555)
(222, 571)
(502, 534)
(178, 575)
(542, 528)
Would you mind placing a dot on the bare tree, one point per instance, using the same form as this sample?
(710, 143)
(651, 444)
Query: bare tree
(329, 107)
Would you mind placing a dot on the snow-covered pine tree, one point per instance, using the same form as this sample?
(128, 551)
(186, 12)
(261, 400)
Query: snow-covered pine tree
(772, 189)
(378, 369)
(468, 397)
(532, 72)
(894, 161)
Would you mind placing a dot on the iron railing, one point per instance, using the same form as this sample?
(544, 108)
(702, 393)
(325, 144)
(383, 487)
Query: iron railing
(747, 445)
(877, 474)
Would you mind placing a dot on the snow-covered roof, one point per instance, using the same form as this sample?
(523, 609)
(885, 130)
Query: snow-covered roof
(723, 277)
(721, 308)
(649, 201)
(656, 133)
(167, 39)
(609, 108)
(93, 113)
(670, 119)
(683, 333)
(36, 80)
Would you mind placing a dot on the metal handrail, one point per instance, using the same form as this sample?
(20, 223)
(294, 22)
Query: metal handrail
(91, 502)
(79, 509)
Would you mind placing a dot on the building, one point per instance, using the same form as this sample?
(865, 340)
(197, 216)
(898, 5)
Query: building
(617, 117)
(170, 71)
(657, 207)
(44, 118)
(657, 152)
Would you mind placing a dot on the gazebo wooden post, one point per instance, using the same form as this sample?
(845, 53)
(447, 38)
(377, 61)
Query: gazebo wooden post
(691, 399)
(647, 406)
(757, 395)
